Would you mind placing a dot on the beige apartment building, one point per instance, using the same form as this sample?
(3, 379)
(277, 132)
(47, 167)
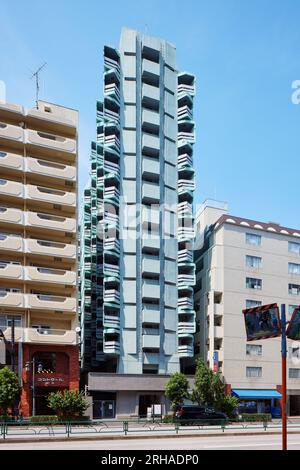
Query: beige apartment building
(241, 264)
(38, 248)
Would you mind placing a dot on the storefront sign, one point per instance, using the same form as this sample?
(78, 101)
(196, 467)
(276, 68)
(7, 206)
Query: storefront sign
(48, 381)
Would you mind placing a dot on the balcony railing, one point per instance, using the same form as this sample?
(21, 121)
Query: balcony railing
(186, 89)
(185, 256)
(186, 328)
(185, 160)
(111, 347)
(186, 350)
(186, 280)
(112, 296)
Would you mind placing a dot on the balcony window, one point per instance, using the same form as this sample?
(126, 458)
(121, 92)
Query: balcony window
(294, 289)
(294, 247)
(252, 283)
(253, 261)
(253, 303)
(294, 373)
(253, 372)
(253, 350)
(6, 321)
(294, 268)
(253, 239)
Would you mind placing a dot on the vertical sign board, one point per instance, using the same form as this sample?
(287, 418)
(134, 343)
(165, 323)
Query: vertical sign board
(262, 322)
(293, 331)
(2, 352)
(216, 361)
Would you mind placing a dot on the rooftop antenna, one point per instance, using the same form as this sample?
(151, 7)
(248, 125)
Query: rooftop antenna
(37, 83)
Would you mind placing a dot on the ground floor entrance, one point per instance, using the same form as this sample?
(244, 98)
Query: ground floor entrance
(147, 401)
(40, 402)
(294, 405)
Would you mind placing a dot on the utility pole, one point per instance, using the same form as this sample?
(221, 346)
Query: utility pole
(37, 83)
(283, 391)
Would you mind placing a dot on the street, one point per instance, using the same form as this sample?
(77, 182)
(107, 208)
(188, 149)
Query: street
(174, 443)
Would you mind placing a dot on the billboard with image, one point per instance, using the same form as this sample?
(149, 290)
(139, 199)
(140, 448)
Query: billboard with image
(262, 322)
(293, 331)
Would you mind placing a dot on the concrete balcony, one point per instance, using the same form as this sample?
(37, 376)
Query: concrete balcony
(186, 328)
(50, 169)
(185, 161)
(11, 271)
(218, 309)
(51, 302)
(185, 257)
(150, 215)
(151, 289)
(186, 234)
(49, 248)
(49, 336)
(11, 188)
(150, 92)
(111, 323)
(150, 67)
(8, 215)
(151, 243)
(49, 275)
(150, 144)
(50, 196)
(150, 264)
(111, 347)
(11, 161)
(112, 245)
(112, 91)
(11, 134)
(151, 341)
(56, 120)
(185, 303)
(150, 167)
(150, 121)
(112, 296)
(150, 358)
(186, 280)
(11, 299)
(11, 243)
(112, 270)
(218, 331)
(44, 140)
(150, 192)
(11, 110)
(151, 314)
(50, 222)
(186, 350)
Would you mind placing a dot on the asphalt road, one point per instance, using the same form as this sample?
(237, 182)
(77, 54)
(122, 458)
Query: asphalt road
(182, 443)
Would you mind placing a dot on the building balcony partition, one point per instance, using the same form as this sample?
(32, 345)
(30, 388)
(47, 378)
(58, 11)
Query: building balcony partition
(111, 347)
(50, 222)
(12, 298)
(11, 161)
(50, 275)
(186, 279)
(45, 140)
(11, 133)
(50, 169)
(185, 256)
(112, 271)
(50, 302)
(50, 195)
(185, 350)
(11, 242)
(11, 270)
(50, 248)
(11, 188)
(185, 161)
(185, 113)
(186, 328)
(49, 336)
(9, 215)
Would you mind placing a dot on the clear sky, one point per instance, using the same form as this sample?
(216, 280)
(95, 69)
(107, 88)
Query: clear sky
(245, 54)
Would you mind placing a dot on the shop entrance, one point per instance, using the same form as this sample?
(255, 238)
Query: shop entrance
(146, 401)
(103, 409)
(41, 406)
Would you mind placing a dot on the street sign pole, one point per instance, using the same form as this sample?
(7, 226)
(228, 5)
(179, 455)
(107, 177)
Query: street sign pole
(283, 391)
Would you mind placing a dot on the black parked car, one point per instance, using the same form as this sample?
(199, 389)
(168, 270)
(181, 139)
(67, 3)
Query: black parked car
(193, 414)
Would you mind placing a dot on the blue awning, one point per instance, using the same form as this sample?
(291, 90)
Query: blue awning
(255, 394)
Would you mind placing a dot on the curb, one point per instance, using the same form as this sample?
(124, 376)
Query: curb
(122, 437)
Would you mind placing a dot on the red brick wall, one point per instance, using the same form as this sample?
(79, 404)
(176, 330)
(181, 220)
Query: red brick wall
(67, 363)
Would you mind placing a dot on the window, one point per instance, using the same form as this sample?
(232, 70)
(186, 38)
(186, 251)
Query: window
(253, 372)
(294, 352)
(252, 283)
(253, 239)
(291, 309)
(6, 321)
(294, 289)
(294, 247)
(253, 350)
(294, 268)
(294, 373)
(253, 303)
(253, 261)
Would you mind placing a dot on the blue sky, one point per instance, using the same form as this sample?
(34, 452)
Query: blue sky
(245, 54)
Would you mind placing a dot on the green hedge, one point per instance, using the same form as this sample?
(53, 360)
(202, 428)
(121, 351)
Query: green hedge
(256, 417)
(43, 419)
(168, 419)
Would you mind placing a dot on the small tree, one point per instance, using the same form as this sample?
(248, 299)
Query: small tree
(68, 404)
(9, 389)
(209, 390)
(177, 389)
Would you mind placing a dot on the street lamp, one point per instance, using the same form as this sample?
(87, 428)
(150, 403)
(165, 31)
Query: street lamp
(28, 365)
